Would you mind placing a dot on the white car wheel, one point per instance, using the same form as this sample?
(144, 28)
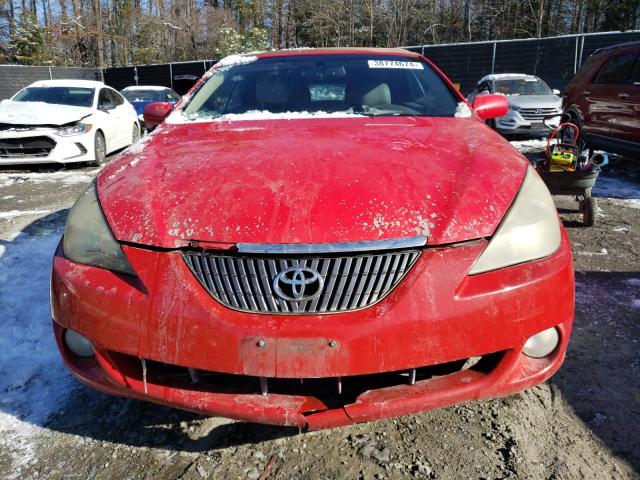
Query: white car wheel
(100, 149)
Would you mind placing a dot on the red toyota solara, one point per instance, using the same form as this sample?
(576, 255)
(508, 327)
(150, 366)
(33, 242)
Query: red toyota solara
(316, 238)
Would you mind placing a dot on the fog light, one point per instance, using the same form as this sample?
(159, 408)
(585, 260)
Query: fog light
(78, 344)
(542, 344)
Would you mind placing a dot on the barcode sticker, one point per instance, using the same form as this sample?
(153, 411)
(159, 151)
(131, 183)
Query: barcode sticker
(395, 64)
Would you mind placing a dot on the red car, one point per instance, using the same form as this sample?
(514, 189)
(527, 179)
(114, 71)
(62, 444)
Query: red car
(603, 99)
(315, 238)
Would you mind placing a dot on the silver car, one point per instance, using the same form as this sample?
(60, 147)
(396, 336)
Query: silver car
(530, 102)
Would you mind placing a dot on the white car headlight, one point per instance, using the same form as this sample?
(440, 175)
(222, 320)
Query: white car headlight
(88, 238)
(77, 129)
(515, 108)
(530, 230)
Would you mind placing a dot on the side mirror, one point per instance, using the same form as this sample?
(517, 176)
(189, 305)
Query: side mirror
(490, 106)
(556, 91)
(155, 113)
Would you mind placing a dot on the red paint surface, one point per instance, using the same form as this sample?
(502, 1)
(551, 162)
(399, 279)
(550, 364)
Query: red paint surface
(437, 314)
(314, 181)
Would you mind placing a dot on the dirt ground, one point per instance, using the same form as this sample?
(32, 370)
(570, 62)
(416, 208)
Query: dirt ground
(582, 424)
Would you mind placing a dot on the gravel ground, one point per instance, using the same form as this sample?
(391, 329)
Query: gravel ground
(583, 423)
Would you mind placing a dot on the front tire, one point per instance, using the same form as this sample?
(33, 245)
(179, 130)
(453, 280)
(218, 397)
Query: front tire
(588, 207)
(99, 150)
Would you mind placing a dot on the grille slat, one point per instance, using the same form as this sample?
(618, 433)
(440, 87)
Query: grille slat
(536, 114)
(352, 284)
(213, 267)
(266, 284)
(349, 281)
(255, 281)
(226, 282)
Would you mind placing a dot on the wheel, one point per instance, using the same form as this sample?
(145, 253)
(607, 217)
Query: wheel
(135, 134)
(100, 150)
(588, 206)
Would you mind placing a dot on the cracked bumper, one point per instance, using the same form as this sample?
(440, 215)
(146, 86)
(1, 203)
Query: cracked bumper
(436, 315)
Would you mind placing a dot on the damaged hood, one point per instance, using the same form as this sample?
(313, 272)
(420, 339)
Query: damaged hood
(312, 181)
(40, 113)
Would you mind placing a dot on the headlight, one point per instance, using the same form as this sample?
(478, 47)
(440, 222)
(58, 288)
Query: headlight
(88, 238)
(515, 108)
(77, 129)
(530, 230)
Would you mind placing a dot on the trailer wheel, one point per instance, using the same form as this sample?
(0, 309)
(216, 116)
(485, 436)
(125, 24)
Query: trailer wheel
(588, 206)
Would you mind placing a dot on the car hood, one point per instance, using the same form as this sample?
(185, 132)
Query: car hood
(312, 181)
(40, 113)
(535, 101)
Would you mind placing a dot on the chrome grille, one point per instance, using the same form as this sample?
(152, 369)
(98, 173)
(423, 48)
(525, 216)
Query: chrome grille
(537, 114)
(350, 282)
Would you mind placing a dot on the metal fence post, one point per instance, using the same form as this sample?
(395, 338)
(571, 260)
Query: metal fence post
(50, 74)
(171, 74)
(575, 58)
(493, 59)
(581, 50)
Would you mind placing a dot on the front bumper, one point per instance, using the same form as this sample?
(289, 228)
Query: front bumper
(514, 123)
(16, 147)
(437, 316)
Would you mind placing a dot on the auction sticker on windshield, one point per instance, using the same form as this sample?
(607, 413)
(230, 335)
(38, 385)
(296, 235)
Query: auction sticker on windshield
(395, 64)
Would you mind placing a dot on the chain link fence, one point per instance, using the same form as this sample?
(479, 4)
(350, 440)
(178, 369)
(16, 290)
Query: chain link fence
(16, 77)
(554, 59)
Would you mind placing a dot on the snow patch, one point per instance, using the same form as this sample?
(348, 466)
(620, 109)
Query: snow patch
(33, 380)
(602, 251)
(154, 88)
(533, 143)
(233, 60)
(462, 110)
(67, 178)
(21, 213)
(616, 188)
(41, 113)
(178, 117)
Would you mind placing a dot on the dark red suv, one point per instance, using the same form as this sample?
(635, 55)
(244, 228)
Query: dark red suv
(603, 99)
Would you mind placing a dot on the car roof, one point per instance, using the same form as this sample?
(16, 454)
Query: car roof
(144, 87)
(615, 47)
(500, 76)
(336, 51)
(68, 83)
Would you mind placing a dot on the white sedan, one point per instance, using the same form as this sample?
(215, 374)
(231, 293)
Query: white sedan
(62, 121)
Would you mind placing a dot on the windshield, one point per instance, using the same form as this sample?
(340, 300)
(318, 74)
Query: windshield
(521, 86)
(348, 84)
(74, 96)
(142, 95)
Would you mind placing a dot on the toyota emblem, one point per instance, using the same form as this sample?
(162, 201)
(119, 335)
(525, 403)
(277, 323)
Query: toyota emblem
(297, 284)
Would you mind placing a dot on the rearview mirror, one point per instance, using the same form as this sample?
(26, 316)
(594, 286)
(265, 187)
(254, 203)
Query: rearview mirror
(490, 106)
(556, 91)
(155, 113)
